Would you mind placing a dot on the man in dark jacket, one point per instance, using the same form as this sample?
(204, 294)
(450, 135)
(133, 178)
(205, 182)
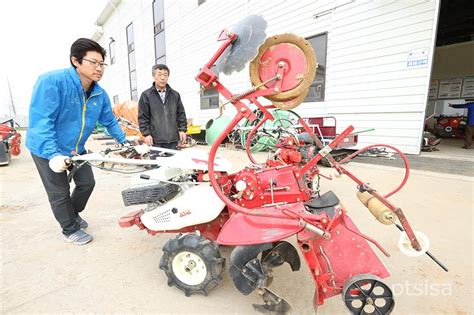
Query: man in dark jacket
(161, 115)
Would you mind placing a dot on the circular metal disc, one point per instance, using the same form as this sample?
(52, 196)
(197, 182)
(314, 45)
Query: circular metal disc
(250, 33)
(292, 103)
(299, 62)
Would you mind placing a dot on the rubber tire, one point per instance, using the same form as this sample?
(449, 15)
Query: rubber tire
(206, 249)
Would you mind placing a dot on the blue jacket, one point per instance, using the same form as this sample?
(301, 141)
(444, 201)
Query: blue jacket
(470, 111)
(61, 119)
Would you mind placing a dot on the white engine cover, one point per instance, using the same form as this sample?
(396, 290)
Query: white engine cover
(198, 204)
(156, 175)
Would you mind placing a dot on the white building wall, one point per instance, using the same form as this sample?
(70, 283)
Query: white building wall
(368, 82)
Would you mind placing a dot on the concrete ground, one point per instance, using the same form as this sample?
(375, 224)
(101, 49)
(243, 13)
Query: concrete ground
(449, 158)
(119, 271)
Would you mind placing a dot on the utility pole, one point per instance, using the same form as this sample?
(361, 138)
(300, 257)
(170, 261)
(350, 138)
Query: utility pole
(11, 98)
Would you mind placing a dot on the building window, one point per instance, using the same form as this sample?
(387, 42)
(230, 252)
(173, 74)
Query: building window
(116, 99)
(112, 50)
(210, 98)
(316, 90)
(132, 68)
(159, 31)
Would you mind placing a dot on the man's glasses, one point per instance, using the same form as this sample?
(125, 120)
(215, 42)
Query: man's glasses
(96, 64)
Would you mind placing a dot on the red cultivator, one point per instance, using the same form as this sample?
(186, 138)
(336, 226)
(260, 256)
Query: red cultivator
(10, 141)
(264, 204)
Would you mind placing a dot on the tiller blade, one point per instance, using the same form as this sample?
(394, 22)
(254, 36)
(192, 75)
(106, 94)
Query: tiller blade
(280, 253)
(273, 303)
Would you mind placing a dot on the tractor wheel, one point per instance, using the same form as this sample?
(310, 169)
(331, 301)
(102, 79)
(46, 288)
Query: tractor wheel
(367, 294)
(192, 263)
(5, 154)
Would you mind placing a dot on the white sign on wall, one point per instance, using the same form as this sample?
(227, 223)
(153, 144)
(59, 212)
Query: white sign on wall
(417, 57)
(433, 91)
(468, 88)
(450, 88)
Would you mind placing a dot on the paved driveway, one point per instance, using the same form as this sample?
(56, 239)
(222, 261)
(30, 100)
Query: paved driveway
(119, 271)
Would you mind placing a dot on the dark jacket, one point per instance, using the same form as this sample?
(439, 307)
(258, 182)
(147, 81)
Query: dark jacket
(161, 121)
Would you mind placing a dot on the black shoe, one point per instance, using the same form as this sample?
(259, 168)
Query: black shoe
(82, 223)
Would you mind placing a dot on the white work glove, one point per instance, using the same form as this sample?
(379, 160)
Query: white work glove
(58, 163)
(142, 149)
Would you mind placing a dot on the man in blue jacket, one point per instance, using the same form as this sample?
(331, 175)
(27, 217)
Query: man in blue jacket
(470, 122)
(65, 106)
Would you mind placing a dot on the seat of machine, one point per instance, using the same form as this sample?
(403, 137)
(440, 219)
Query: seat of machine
(326, 202)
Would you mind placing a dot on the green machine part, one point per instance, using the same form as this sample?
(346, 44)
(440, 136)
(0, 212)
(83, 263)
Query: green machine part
(214, 127)
(282, 118)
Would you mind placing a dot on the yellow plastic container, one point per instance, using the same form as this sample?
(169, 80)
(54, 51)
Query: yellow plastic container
(192, 130)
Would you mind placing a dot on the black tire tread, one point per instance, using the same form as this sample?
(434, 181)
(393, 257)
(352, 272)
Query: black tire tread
(199, 245)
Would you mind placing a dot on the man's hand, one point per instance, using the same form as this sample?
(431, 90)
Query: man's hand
(149, 140)
(58, 163)
(126, 144)
(182, 137)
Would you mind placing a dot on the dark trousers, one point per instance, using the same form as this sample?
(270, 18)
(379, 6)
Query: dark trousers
(66, 206)
(171, 145)
(469, 135)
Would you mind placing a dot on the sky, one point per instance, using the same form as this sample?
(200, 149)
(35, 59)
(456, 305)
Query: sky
(36, 37)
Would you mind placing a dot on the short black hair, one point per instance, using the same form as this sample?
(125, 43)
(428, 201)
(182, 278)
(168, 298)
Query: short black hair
(81, 46)
(159, 66)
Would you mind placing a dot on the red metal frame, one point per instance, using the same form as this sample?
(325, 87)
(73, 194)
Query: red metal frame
(281, 219)
(10, 137)
(271, 206)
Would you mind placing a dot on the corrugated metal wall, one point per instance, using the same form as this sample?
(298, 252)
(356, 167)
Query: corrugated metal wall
(368, 81)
